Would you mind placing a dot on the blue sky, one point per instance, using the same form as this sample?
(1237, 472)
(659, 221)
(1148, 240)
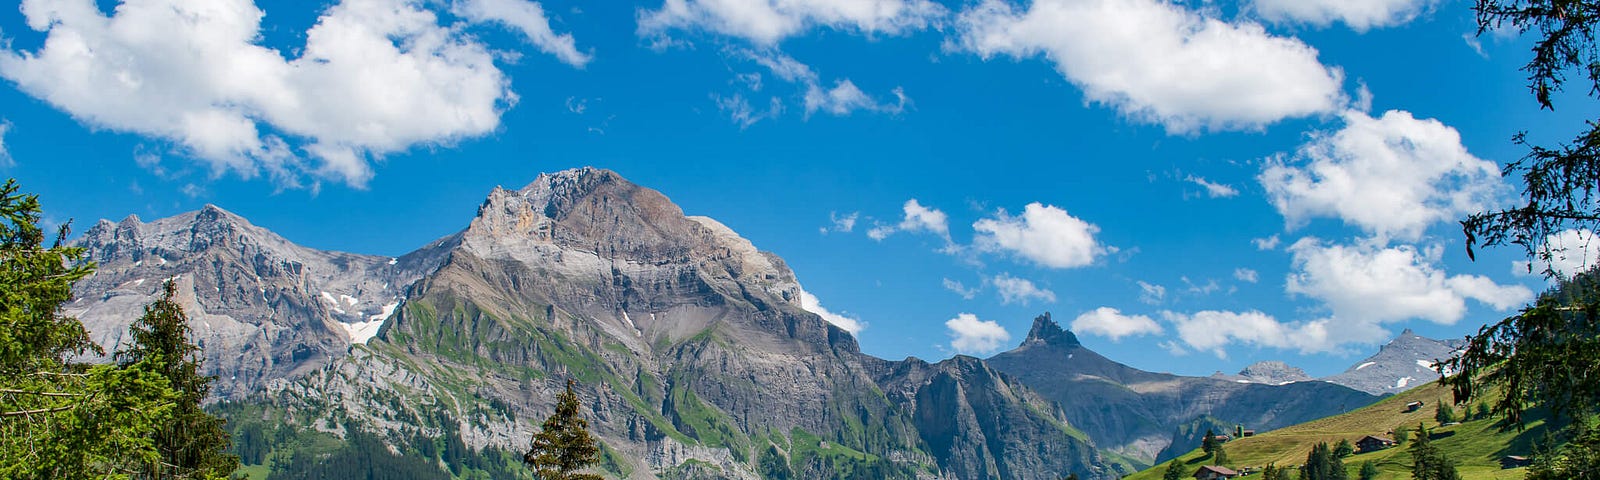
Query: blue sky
(1192, 186)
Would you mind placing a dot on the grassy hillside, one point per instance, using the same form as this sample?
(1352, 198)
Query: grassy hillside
(1476, 446)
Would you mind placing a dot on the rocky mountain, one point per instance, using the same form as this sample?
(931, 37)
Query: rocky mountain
(693, 356)
(263, 307)
(1270, 372)
(1140, 414)
(1404, 363)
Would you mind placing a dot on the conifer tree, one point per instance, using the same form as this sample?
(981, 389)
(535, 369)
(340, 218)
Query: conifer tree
(1209, 443)
(1322, 464)
(1428, 462)
(1443, 413)
(193, 444)
(1219, 456)
(563, 445)
(1274, 472)
(60, 418)
(1174, 471)
(1369, 471)
(1344, 449)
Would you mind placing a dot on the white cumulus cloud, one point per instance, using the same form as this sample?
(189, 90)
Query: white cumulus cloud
(1392, 176)
(1246, 275)
(1043, 234)
(1112, 323)
(968, 334)
(374, 77)
(1363, 287)
(1159, 62)
(810, 303)
(1216, 330)
(1366, 285)
(917, 218)
(767, 22)
(1359, 15)
(1019, 290)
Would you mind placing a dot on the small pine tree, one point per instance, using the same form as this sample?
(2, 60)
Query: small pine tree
(563, 445)
(1283, 474)
(1174, 471)
(1444, 413)
(1209, 443)
(1401, 434)
(193, 444)
(1322, 464)
(1369, 471)
(1481, 411)
(1428, 462)
(1344, 449)
(1219, 456)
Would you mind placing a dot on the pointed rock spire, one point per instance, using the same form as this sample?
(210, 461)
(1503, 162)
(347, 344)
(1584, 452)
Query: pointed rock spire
(1047, 331)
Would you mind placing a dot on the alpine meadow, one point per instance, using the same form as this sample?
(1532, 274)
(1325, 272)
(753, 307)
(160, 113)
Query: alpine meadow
(800, 240)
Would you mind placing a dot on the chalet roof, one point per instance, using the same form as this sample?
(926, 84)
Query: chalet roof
(1216, 469)
(1375, 438)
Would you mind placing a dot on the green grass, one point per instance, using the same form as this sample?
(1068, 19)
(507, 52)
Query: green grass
(254, 472)
(1476, 446)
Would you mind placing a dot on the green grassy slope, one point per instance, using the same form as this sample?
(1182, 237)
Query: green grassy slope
(1476, 446)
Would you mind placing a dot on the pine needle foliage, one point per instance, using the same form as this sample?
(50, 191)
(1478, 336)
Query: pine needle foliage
(193, 444)
(563, 447)
(61, 418)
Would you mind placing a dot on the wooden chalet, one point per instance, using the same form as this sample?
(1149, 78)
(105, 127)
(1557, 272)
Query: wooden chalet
(1514, 461)
(1214, 472)
(1372, 443)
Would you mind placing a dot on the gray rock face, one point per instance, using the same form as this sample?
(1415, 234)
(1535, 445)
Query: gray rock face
(981, 424)
(262, 307)
(1138, 413)
(1404, 363)
(693, 356)
(1270, 372)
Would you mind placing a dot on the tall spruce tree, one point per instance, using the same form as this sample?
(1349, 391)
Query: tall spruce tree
(563, 445)
(1541, 358)
(193, 444)
(1209, 443)
(1428, 462)
(60, 418)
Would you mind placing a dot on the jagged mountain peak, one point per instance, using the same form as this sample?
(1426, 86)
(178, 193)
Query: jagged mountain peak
(1048, 332)
(600, 217)
(1269, 372)
(1405, 362)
